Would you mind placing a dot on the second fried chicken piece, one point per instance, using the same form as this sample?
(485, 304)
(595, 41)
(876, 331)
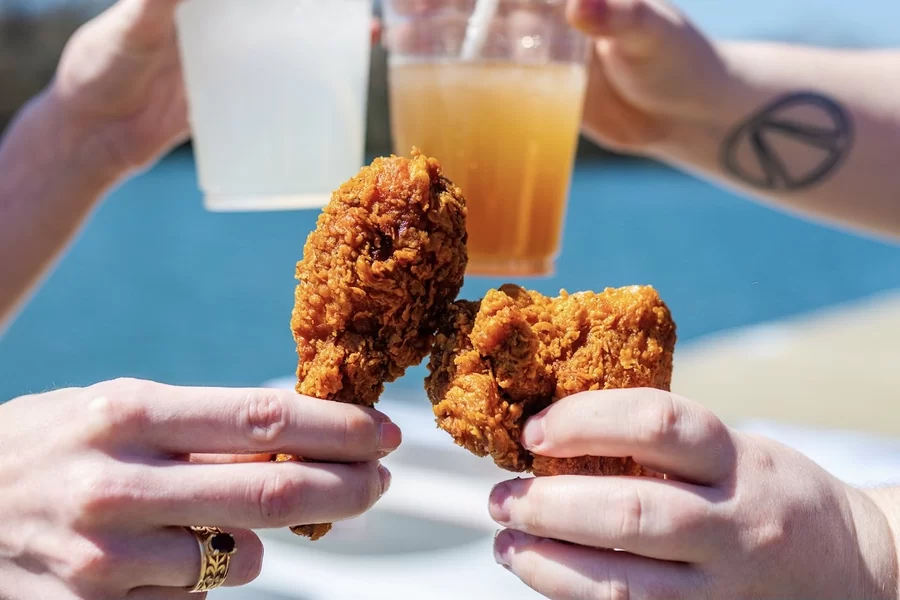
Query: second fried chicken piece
(378, 274)
(497, 362)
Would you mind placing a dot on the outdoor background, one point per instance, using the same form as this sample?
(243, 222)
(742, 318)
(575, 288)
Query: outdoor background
(156, 287)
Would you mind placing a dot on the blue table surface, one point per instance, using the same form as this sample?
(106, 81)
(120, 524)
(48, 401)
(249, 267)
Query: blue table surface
(156, 287)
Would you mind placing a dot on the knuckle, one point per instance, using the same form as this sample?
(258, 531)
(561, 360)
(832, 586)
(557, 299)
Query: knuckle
(631, 517)
(359, 431)
(265, 417)
(113, 409)
(757, 456)
(122, 386)
(99, 492)
(766, 536)
(712, 428)
(273, 497)
(367, 488)
(88, 562)
(660, 420)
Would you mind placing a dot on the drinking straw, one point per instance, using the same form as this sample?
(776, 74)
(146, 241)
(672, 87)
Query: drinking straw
(478, 28)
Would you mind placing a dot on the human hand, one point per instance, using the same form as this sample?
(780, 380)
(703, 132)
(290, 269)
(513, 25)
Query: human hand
(741, 516)
(119, 85)
(98, 483)
(652, 72)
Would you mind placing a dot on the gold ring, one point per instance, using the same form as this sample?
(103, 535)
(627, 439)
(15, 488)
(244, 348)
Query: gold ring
(216, 550)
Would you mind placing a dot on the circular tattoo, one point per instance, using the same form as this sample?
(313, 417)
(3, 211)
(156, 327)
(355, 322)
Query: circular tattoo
(825, 127)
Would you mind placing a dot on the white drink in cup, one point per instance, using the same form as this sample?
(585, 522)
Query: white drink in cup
(277, 93)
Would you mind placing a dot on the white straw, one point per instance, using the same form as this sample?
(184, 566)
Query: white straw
(478, 28)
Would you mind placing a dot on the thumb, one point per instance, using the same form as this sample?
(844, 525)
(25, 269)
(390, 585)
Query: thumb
(638, 29)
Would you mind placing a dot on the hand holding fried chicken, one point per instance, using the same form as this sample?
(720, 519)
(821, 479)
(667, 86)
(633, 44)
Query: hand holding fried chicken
(500, 361)
(378, 274)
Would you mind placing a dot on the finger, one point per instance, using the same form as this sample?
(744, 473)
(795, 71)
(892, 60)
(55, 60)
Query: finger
(638, 29)
(650, 517)
(255, 496)
(565, 572)
(660, 430)
(181, 420)
(226, 459)
(170, 557)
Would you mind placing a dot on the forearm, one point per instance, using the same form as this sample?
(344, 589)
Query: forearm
(50, 180)
(810, 130)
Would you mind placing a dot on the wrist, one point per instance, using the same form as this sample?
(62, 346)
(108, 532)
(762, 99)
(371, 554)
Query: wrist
(58, 137)
(740, 85)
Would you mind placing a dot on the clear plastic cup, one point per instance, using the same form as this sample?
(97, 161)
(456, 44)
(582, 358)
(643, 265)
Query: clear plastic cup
(277, 91)
(502, 116)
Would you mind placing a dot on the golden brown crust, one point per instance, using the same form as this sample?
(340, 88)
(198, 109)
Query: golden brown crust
(313, 532)
(385, 262)
(543, 466)
(467, 401)
(500, 361)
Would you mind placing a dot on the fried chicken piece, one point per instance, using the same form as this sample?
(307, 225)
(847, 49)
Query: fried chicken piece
(497, 362)
(378, 274)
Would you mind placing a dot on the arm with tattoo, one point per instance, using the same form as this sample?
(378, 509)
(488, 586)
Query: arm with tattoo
(812, 131)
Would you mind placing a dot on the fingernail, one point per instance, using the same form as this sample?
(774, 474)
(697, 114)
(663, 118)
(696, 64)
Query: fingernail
(499, 502)
(506, 543)
(389, 437)
(501, 549)
(533, 433)
(385, 479)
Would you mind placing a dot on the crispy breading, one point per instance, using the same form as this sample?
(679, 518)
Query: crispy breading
(378, 274)
(497, 362)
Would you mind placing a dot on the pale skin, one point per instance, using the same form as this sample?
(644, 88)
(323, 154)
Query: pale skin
(103, 476)
(99, 483)
(117, 103)
(742, 516)
(660, 88)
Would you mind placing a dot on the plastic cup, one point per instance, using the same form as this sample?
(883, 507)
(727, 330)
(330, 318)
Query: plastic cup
(503, 119)
(277, 93)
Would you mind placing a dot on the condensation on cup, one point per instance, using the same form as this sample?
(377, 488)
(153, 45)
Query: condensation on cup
(277, 93)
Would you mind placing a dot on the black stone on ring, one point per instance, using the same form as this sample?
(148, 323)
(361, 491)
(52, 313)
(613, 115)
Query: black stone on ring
(222, 543)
